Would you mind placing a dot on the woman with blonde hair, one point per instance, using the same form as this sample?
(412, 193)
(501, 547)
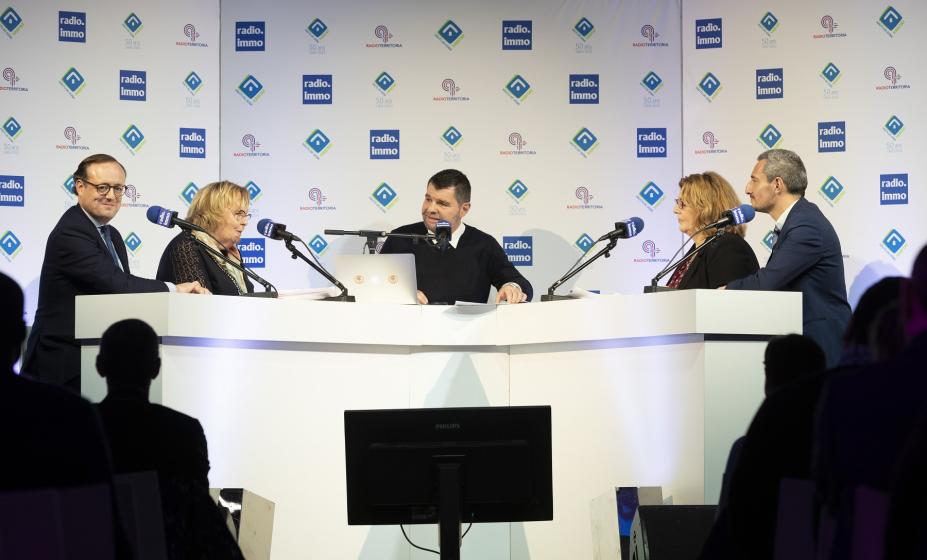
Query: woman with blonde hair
(702, 199)
(221, 209)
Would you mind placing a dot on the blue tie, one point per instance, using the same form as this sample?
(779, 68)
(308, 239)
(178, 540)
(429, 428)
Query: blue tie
(105, 230)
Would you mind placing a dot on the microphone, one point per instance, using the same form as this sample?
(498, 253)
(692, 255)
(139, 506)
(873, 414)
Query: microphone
(442, 235)
(624, 230)
(733, 217)
(169, 219)
(268, 228)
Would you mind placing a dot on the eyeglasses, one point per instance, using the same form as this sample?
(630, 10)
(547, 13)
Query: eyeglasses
(242, 216)
(104, 189)
(680, 203)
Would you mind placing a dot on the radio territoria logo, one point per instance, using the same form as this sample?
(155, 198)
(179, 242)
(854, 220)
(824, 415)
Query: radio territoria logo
(72, 137)
(649, 33)
(130, 198)
(251, 144)
(710, 140)
(649, 247)
(891, 74)
(382, 33)
(10, 77)
(519, 142)
(829, 24)
(190, 32)
(585, 197)
(451, 88)
(317, 201)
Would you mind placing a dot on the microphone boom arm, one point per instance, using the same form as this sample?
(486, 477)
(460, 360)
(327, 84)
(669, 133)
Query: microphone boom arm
(269, 289)
(671, 267)
(297, 254)
(549, 296)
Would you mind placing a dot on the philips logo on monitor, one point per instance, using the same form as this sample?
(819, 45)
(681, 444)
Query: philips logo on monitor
(11, 22)
(894, 127)
(384, 196)
(709, 86)
(12, 129)
(252, 252)
(893, 189)
(518, 89)
(832, 190)
(769, 83)
(317, 143)
(449, 34)
(770, 137)
(519, 249)
(584, 89)
(73, 81)
(384, 144)
(72, 27)
(133, 85)
(585, 141)
(516, 35)
(10, 245)
(651, 142)
(133, 242)
(893, 242)
(832, 136)
(133, 139)
(318, 244)
(250, 89)
(584, 29)
(193, 143)
(708, 34)
(317, 89)
(249, 36)
(584, 242)
(12, 190)
(651, 195)
(891, 21)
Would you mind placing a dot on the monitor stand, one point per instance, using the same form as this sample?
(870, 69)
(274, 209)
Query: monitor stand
(449, 506)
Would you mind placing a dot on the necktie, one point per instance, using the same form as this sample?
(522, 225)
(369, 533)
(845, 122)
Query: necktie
(776, 231)
(107, 237)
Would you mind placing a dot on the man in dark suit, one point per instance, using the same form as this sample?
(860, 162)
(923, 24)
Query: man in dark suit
(806, 256)
(83, 255)
(471, 263)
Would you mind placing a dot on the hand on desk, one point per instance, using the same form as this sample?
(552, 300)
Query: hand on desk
(192, 288)
(421, 297)
(511, 293)
(722, 287)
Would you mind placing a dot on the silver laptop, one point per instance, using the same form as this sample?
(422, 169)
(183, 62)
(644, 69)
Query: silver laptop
(378, 278)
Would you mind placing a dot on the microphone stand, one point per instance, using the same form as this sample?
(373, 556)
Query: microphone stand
(270, 290)
(653, 287)
(373, 236)
(296, 254)
(549, 296)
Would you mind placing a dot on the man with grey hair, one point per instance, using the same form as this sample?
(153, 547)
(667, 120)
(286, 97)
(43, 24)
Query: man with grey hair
(806, 255)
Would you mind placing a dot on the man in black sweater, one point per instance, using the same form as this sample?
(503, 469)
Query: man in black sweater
(471, 263)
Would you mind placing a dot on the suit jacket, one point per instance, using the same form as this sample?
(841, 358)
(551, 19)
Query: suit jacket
(77, 262)
(464, 273)
(184, 260)
(144, 436)
(807, 258)
(727, 258)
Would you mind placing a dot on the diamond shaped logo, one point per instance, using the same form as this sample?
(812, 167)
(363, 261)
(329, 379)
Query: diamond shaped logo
(317, 143)
(770, 137)
(11, 21)
(517, 190)
(709, 86)
(449, 34)
(831, 74)
(189, 192)
(518, 88)
(894, 242)
(769, 23)
(452, 137)
(68, 185)
(133, 242)
(584, 29)
(769, 240)
(132, 24)
(651, 195)
(318, 244)
(317, 29)
(894, 127)
(73, 81)
(254, 191)
(384, 196)
(250, 89)
(10, 245)
(385, 83)
(832, 190)
(193, 83)
(585, 141)
(584, 242)
(12, 128)
(891, 21)
(133, 138)
(652, 82)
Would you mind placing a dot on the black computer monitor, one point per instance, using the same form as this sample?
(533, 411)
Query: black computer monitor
(447, 466)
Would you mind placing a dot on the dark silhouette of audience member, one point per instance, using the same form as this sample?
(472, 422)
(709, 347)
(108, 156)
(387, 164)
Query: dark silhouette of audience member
(865, 417)
(145, 436)
(905, 538)
(51, 437)
(857, 340)
(790, 357)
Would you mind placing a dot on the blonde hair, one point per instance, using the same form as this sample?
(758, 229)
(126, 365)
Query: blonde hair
(210, 203)
(710, 194)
